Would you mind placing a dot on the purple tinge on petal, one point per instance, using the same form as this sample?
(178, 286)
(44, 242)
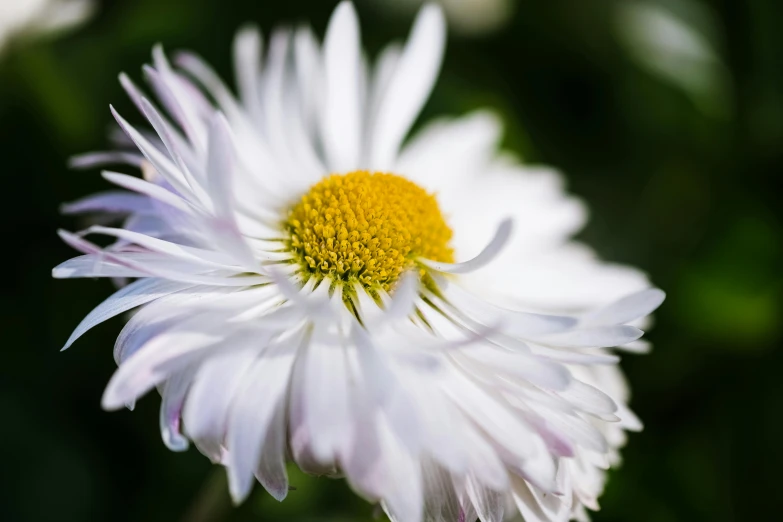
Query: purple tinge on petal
(111, 201)
(461, 515)
(173, 437)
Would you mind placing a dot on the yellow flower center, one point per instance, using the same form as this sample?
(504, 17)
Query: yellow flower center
(367, 227)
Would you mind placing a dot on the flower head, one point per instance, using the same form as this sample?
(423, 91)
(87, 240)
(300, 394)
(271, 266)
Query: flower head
(468, 17)
(408, 315)
(675, 43)
(22, 17)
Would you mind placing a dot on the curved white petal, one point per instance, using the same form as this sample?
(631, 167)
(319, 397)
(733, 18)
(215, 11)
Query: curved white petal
(486, 256)
(595, 337)
(172, 401)
(341, 129)
(111, 201)
(408, 87)
(253, 416)
(149, 189)
(135, 294)
(162, 164)
(628, 308)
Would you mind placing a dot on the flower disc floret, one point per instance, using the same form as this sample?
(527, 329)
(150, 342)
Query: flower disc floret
(367, 227)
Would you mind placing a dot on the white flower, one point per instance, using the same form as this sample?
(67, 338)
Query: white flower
(295, 302)
(19, 17)
(668, 44)
(470, 17)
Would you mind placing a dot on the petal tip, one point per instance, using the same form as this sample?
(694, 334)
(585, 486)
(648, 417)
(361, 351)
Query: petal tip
(279, 493)
(110, 402)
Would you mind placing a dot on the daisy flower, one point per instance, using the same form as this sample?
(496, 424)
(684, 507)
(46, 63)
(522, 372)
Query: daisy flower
(468, 17)
(676, 43)
(22, 17)
(410, 315)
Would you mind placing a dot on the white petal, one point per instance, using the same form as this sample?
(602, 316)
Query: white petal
(441, 502)
(588, 398)
(536, 370)
(628, 308)
(220, 166)
(181, 99)
(138, 264)
(569, 356)
(286, 127)
(164, 314)
(557, 443)
(199, 255)
(113, 201)
(135, 294)
(216, 384)
(499, 187)
(467, 511)
(248, 46)
(204, 74)
(569, 277)
(403, 496)
(300, 437)
(271, 471)
(628, 419)
(308, 74)
(486, 256)
(528, 505)
(341, 117)
(382, 74)
(93, 266)
(58, 16)
(134, 93)
(363, 461)
(148, 367)
(326, 401)
(500, 422)
(484, 462)
(447, 153)
(99, 159)
(172, 134)
(157, 266)
(595, 337)
(638, 346)
(489, 504)
(403, 302)
(149, 189)
(443, 425)
(261, 395)
(518, 324)
(409, 87)
(385, 391)
(219, 178)
(172, 401)
(577, 429)
(176, 148)
(162, 164)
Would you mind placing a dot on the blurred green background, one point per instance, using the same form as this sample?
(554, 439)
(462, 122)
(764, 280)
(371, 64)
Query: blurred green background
(680, 183)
